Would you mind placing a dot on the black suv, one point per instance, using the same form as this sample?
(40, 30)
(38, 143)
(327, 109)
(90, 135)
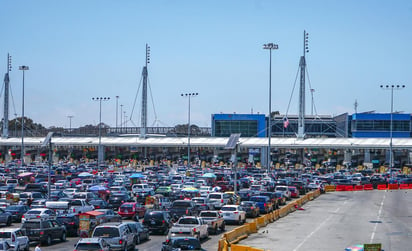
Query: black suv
(157, 221)
(118, 199)
(44, 231)
(71, 222)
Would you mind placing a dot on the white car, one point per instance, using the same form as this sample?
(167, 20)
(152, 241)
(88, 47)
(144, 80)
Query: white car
(16, 238)
(205, 190)
(284, 190)
(218, 199)
(233, 213)
(38, 213)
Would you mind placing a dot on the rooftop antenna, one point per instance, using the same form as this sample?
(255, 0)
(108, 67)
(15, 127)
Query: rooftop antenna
(302, 65)
(356, 106)
(5, 133)
(144, 95)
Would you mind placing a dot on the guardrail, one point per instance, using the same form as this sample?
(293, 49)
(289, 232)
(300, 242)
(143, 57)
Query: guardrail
(230, 238)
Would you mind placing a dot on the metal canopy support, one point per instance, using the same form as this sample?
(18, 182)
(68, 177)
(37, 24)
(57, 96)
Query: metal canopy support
(233, 144)
(47, 141)
(5, 133)
(302, 65)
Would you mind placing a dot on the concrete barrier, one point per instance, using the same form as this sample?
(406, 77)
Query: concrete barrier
(403, 186)
(236, 247)
(368, 187)
(382, 187)
(261, 221)
(393, 186)
(252, 227)
(358, 188)
(236, 234)
(330, 188)
(340, 188)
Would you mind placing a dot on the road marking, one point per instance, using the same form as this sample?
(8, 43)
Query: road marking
(379, 217)
(314, 231)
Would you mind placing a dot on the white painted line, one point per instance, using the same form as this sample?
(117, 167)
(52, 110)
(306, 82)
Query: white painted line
(379, 217)
(316, 229)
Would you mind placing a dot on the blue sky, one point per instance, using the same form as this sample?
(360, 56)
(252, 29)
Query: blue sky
(80, 49)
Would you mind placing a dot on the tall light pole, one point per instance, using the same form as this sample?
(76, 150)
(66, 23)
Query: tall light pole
(391, 88)
(121, 118)
(311, 92)
(189, 95)
(99, 150)
(117, 109)
(22, 68)
(270, 47)
(70, 122)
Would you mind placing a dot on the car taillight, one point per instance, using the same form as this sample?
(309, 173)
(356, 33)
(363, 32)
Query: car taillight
(264, 204)
(38, 216)
(13, 238)
(221, 201)
(71, 223)
(163, 221)
(23, 216)
(235, 212)
(251, 208)
(194, 229)
(41, 232)
(120, 241)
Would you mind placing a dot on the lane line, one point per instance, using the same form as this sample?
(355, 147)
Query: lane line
(379, 217)
(316, 229)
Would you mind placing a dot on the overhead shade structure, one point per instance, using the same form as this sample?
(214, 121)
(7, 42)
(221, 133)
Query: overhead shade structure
(26, 174)
(137, 176)
(97, 188)
(209, 175)
(84, 175)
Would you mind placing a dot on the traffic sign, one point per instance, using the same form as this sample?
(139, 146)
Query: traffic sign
(372, 247)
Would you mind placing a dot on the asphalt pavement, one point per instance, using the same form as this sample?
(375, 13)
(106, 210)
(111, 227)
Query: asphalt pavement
(337, 220)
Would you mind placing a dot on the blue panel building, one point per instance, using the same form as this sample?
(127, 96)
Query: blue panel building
(378, 125)
(248, 125)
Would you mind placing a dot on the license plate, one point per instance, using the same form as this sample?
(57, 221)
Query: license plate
(153, 222)
(126, 211)
(227, 214)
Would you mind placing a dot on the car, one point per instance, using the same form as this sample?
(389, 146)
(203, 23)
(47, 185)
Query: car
(118, 235)
(17, 211)
(44, 230)
(39, 213)
(281, 198)
(99, 204)
(71, 222)
(5, 217)
(157, 221)
(115, 200)
(233, 213)
(251, 208)
(16, 238)
(294, 192)
(92, 244)
(140, 232)
(181, 243)
(284, 190)
(218, 199)
(57, 195)
(263, 202)
(5, 246)
(110, 215)
(132, 210)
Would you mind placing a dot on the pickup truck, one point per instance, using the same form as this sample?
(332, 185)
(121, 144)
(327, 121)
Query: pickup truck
(183, 207)
(213, 220)
(190, 226)
(78, 206)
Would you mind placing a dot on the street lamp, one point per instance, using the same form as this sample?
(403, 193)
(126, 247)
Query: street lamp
(270, 47)
(22, 68)
(99, 150)
(391, 88)
(117, 109)
(188, 124)
(121, 118)
(70, 122)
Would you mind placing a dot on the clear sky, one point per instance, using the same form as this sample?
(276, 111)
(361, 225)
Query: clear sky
(81, 49)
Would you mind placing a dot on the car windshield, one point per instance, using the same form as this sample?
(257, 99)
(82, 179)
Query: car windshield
(106, 232)
(88, 246)
(189, 221)
(154, 215)
(34, 212)
(228, 209)
(215, 196)
(126, 206)
(31, 224)
(184, 204)
(208, 214)
(258, 199)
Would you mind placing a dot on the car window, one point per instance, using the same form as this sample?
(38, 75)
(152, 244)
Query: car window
(5, 235)
(106, 232)
(88, 246)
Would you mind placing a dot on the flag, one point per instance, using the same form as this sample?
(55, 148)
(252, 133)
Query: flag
(285, 122)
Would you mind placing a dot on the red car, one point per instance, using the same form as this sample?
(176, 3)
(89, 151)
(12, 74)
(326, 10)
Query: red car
(132, 210)
(294, 192)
